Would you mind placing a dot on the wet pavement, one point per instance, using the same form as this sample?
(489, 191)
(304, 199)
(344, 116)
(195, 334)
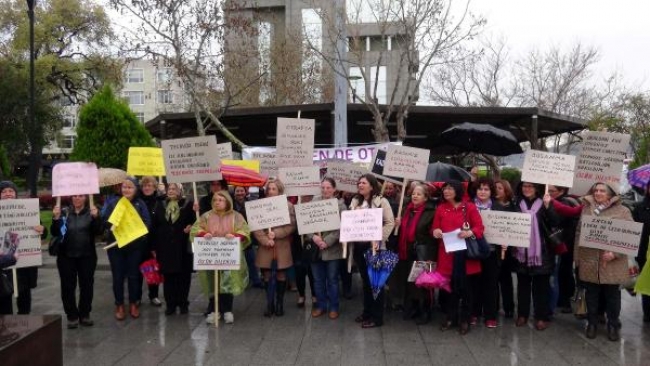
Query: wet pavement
(297, 339)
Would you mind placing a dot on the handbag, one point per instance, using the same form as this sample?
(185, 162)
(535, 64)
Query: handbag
(477, 249)
(310, 252)
(54, 246)
(555, 239)
(151, 271)
(580, 303)
(6, 288)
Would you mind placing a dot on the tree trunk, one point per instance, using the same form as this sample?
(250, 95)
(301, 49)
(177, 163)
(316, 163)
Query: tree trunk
(380, 131)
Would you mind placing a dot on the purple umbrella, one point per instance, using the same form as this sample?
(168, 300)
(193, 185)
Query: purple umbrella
(639, 177)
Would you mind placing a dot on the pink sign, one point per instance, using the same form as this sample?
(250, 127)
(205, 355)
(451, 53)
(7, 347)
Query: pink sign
(69, 179)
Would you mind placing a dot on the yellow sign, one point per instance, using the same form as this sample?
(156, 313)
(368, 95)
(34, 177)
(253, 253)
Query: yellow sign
(146, 161)
(248, 164)
(643, 281)
(127, 224)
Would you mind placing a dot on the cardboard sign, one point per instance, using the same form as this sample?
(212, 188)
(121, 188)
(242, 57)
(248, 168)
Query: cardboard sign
(217, 254)
(507, 228)
(318, 216)
(406, 162)
(377, 168)
(361, 225)
(253, 165)
(295, 142)
(20, 216)
(224, 151)
(145, 161)
(619, 236)
(268, 162)
(601, 160)
(345, 174)
(548, 168)
(300, 181)
(127, 223)
(69, 179)
(267, 213)
(194, 159)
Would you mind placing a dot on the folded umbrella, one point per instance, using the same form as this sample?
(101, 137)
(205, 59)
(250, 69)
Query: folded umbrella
(239, 176)
(380, 265)
(442, 172)
(111, 176)
(639, 177)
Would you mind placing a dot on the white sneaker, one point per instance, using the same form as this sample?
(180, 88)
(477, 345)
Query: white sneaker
(212, 318)
(229, 318)
(156, 302)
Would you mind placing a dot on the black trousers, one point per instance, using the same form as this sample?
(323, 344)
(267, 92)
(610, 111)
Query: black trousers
(486, 298)
(459, 301)
(612, 297)
(72, 271)
(225, 303)
(372, 309)
(566, 281)
(177, 289)
(540, 286)
(304, 270)
(346, 277)
(506, 285)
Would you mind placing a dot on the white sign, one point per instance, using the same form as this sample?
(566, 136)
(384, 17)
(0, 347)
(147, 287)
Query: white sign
(225, 151)
(601, 160)
(507, 228)
(452, 242)
(361, 225)
(268, 162)
(194, 159)
(20, 216)
(267, 213)
(406, 162)
(318, 216)
(217, 254)
(548, 168)
(295, 142)
(345, 174)
(620, 236)
(300, 181)
(69, 179)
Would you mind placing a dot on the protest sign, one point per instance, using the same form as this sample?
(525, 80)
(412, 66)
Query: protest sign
(224, 151)
(619, 236)
(20, 216)
(507, 228)
(145, 161)
(194, 159)
(69, 179)
(548, 168)
(377, 168)
(406, 162)
(267, 213)
(217, 254)
(600, 160)
(346, 175)
(300, 181)
(318, 216)
(295, 142)
(361, 225)
(127, 223)
(268, 162)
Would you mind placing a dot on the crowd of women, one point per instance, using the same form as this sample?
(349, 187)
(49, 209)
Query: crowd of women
(548, 271)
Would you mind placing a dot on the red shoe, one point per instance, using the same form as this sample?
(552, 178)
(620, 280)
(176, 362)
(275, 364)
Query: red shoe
(521, 321)
(135, 311)
(491, 324)
(119, 312)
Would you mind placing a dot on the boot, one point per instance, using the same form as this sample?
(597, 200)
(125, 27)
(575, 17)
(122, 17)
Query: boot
(134, 310)
(120, 314)
(279, 297)
(210, 308)
(424, 318)
(270, 307)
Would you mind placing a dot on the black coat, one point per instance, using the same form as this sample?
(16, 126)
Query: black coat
(546, 217)
(641, 213)
(171, 242)
(81, 229)
(423, 235)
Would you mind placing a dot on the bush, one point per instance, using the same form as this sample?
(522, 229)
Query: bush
(512, 175)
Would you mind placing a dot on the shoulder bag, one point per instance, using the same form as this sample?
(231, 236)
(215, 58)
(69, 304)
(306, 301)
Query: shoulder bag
(477, 249)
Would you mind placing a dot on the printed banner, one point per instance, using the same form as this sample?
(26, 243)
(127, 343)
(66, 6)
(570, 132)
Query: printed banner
(194, 159)
(300, 181)
(295, 142)
(548, 168)
(600, 160)
(406, 162)
(318, 216)
(507, 228)
(19, 216)
(267, 213)
(620, 236)
(69, 179)
(145, 161)
(361, 225)
(127, 223)
(346, 175)
(217, 254)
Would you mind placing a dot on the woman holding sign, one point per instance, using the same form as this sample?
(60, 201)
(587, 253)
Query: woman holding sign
(223, 222)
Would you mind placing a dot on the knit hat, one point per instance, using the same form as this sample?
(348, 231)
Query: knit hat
(134, 181)
(8, 184)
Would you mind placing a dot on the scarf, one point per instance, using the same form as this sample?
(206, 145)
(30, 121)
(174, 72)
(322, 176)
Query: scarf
(531, 256)
(483, 206)
(172, 211)
(407, 229)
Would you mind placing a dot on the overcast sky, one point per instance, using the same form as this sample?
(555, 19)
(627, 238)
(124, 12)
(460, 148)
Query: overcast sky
(620, 29)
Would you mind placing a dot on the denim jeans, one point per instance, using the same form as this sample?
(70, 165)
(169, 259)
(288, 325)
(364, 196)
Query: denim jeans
(125, 264)
(326, 284)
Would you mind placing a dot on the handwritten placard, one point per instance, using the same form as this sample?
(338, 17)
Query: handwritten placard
(377, 168)
(620, 236)
(361, 225)
(194, 159)
(507, 228)
(300, 181)
(268, 162)
(318, 216)
(600, 160)
(267, 212)
(20, 216)
(127, 223)
(225, 150)
(69, 179)
(145, 161)
(346, 175)
(295, 142)
(548, 168)
(406, 162)
(217, 254)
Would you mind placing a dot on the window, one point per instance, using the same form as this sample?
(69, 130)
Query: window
(358, 84)
(164, 75)
(69, 121)
(134, 75)
(134, 97)
(165, 97)
(67, 142)
(139, 116)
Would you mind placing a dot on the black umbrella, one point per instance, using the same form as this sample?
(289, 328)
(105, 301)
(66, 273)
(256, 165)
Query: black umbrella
(441, 172)
(481, 138)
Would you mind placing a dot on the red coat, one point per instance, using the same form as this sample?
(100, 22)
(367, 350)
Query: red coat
(448, 219)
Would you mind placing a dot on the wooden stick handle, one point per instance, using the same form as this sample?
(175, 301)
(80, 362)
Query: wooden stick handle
(111, 245)
(383, 188)
(401, 204)
(58, 201)
(14, 274)
(91, 201)
(196, 197)
(345, 250)
(216, 299)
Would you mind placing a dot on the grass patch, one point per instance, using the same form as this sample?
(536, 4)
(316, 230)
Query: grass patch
(46, 220)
